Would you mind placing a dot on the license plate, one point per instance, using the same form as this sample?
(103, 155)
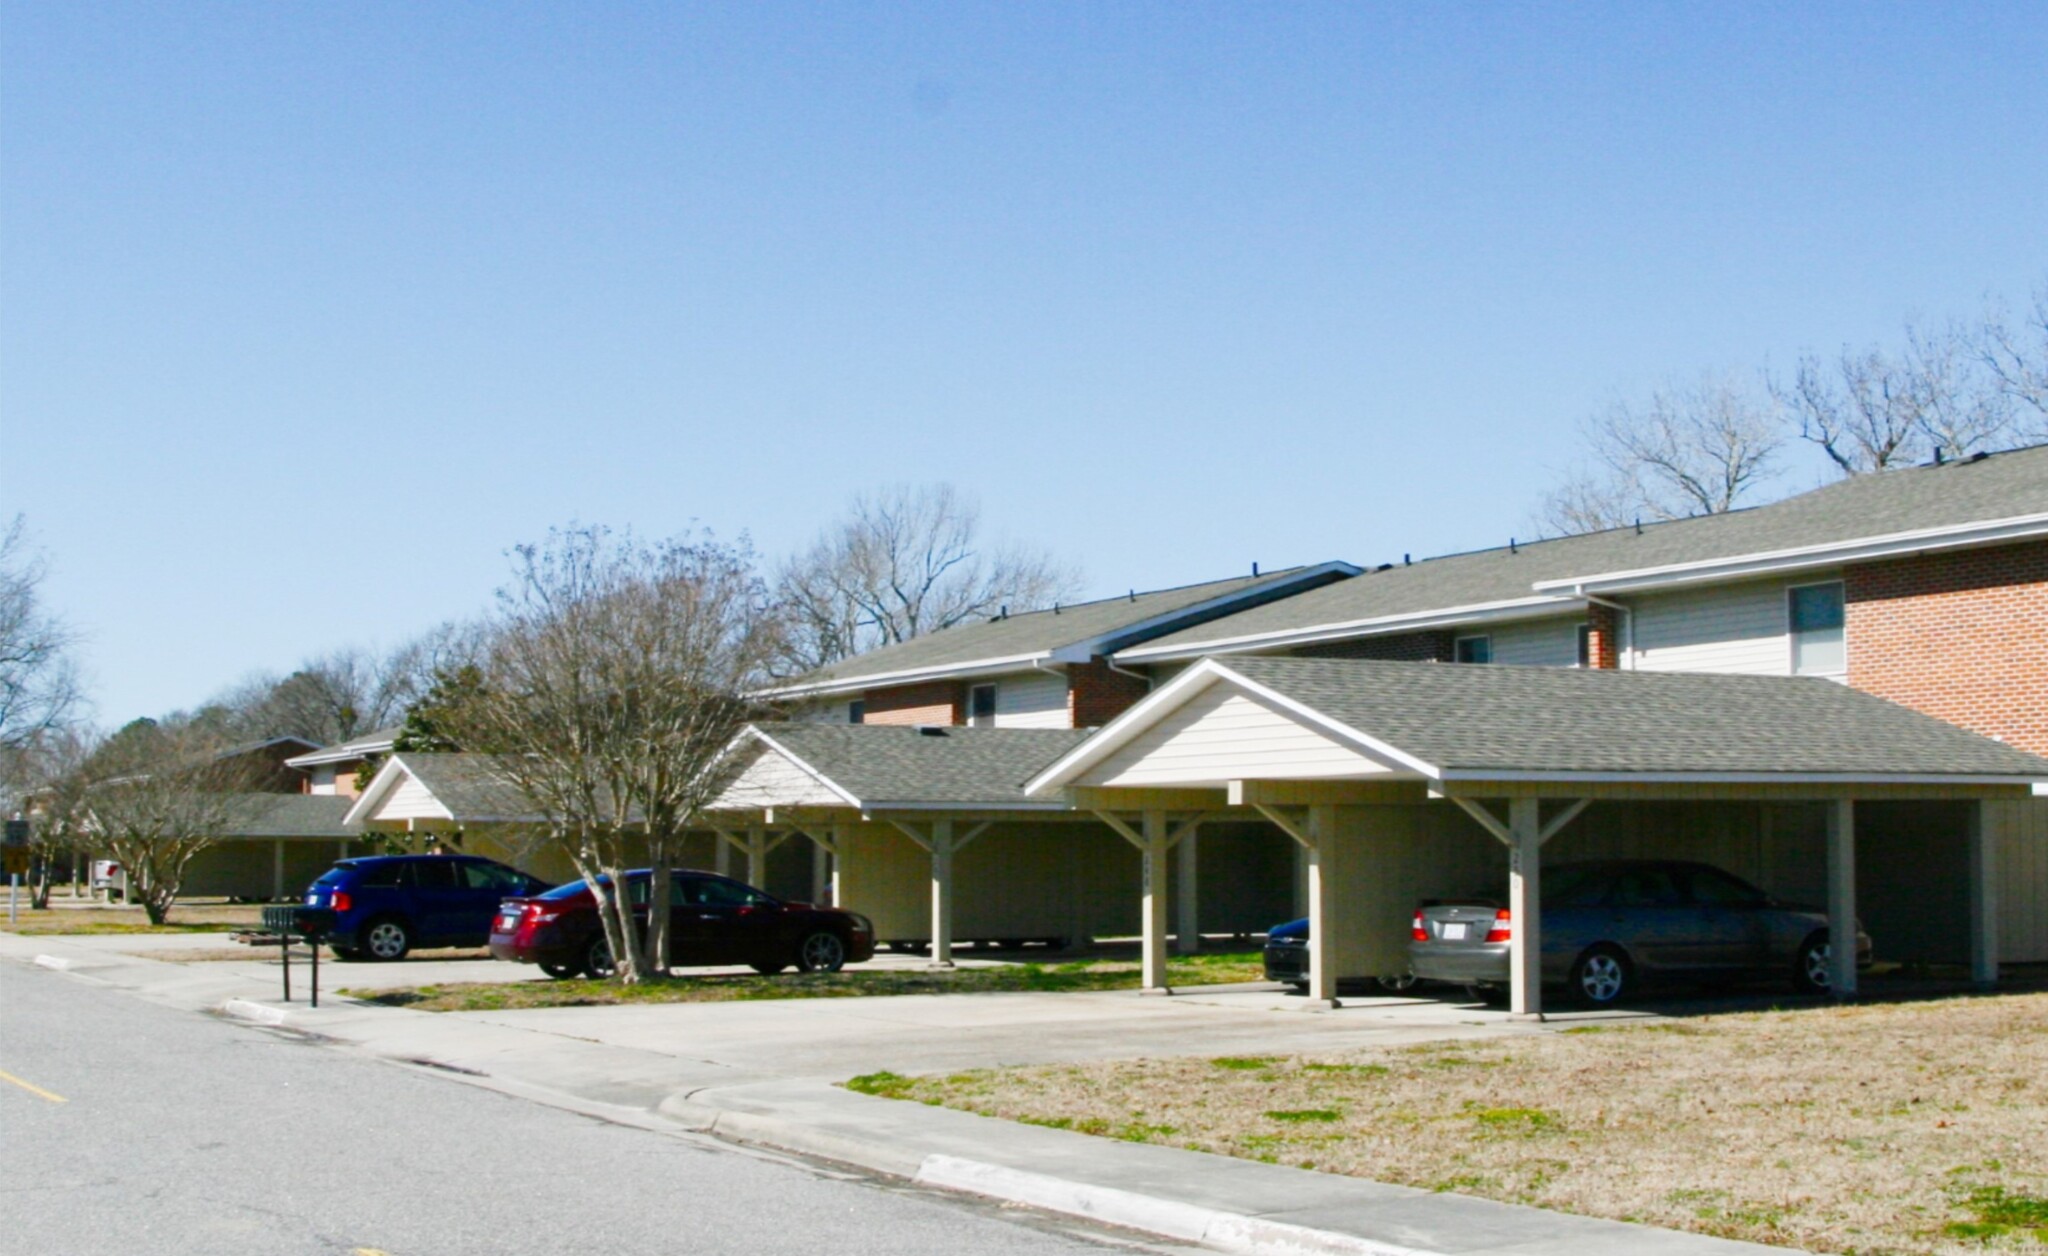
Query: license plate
(1454, 930)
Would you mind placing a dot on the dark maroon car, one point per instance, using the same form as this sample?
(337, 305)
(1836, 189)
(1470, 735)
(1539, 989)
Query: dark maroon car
(713, 920)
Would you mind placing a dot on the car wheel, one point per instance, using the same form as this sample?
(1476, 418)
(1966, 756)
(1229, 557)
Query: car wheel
(1300, 987)
(1398, 981)
(767, 970)
(1813, 966)
(561, 972)
(597, 959)
(1601, 977)
(386, 939)
(821, 952)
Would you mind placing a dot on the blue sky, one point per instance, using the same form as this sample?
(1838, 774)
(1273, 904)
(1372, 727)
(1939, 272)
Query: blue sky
(308, 311)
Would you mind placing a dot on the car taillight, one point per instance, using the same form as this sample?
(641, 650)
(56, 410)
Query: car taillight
(1502, 926)
(1419, 931)
(340, 901)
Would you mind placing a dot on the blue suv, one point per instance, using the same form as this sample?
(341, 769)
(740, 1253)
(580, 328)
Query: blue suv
(386, 905)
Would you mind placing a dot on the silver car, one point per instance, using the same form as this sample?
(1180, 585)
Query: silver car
(1613, 926)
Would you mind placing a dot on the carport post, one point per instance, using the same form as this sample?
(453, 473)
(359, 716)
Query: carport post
(1983, 897)
(757, 856)
(1322, 907)
(821, 875)
(942, 893)
(277, 870)
(1525, 890)
(1842, 898)
(1187, 935)
(1154, 861)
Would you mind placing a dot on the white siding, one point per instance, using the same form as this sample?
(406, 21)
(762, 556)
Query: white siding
(1731, 628)
(1222, 735)
(2022, 829)
(411, 801)
(1538, 643)
(1032, 699)
(773, 781)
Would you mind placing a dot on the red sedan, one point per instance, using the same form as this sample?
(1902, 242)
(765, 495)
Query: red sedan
(713, 921)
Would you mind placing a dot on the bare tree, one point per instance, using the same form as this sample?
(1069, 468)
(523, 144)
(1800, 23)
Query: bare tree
(1690, 449)
(612, 674)
(1869, 409)
(39, 687)
(905, 561)
(339, 695)
(45, 784)
(157, 796)
(2015, 352)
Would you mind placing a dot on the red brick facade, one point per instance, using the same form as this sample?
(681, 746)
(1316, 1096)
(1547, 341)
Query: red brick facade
(1412, 647)
(934, 702)
(1096, 694)
(1962, 636)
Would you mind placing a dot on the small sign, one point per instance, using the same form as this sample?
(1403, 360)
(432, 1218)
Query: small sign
(17, 832)
(16, 858)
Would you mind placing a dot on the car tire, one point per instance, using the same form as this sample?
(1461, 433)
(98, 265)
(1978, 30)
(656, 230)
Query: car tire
(1811, 965)
(1601, 976)
(1398, 982)
(821, 952)
(561, 972)
(1299, 987)
(597, 960)
(387, 939)
(767, 970)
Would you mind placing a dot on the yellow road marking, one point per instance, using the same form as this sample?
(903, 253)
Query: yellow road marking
(35, 1090)
(370, 1251)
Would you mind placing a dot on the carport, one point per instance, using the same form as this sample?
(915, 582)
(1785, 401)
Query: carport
(1393, 775)
(927, 830)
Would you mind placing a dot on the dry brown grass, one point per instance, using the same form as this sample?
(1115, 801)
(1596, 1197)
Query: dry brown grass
(1915, 1128)
(185, 918)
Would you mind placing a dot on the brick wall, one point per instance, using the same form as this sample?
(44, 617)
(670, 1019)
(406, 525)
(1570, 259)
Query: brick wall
(1412, 647)
(1962, 636)
(934, 702)
(1603, 640)
(1096, 694)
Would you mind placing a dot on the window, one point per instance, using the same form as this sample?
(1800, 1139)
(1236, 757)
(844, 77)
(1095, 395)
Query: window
(1585, 645)
(714, 892)
(489, 876)
(857, 711)
(1816, 615)
(1472, 650)
(392, 875)
(981, 706)
(1715, 888)
(434, 874)
(1645, 887)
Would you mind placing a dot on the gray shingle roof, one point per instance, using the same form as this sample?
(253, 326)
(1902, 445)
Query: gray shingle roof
(881, 764)
(288, 816)
(360, 747)
(465, 784)
(1038, 633)
(2001, 486)
(1542, 719)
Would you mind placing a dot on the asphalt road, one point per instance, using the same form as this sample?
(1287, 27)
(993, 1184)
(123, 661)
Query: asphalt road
(126, 1127)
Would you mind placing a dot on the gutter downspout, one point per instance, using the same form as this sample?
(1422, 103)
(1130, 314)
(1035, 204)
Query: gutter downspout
(1625, 658)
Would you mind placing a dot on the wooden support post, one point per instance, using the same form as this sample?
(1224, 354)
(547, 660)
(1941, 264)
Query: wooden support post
(1153, 854)
(1841, 826)
(821, 875)
(757, 856)
(721, 855)
(842, 842)
(942, 893)
(1187, 933)
(1983, 841)
(1525, 891)
(1322, 859)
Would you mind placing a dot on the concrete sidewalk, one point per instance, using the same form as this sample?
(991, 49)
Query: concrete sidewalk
(764, 1072)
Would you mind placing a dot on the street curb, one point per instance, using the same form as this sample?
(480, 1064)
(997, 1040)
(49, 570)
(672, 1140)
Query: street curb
(1230, 1231)
(56, 962)
(256, 1013)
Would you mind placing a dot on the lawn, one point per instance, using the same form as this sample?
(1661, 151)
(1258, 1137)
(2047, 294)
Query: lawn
(185, 918)
(1087, 974)
(1908, 1128)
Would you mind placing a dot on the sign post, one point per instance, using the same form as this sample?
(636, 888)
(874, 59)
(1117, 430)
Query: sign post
(16, 847)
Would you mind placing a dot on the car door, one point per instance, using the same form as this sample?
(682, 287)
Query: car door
(1651, 915)
(439, 896)
(483, 886)
(733, 923)
(1733, 934)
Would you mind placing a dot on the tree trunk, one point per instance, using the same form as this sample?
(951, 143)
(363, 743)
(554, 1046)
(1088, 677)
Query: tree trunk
(658, 910)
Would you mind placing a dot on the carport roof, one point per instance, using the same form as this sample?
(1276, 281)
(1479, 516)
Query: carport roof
(288, 816)
(1447, 721)
(464, 785)
(882, 766)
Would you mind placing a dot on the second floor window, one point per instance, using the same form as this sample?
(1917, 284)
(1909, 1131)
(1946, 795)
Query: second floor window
(1818, 648)
(1472, 650)
(857, 711)
(981, 706)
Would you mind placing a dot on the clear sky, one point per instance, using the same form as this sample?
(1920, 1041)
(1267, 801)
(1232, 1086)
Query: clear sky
(307, 311)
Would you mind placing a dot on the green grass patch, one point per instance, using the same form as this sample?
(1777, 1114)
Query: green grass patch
(1519, 1120)
(1349, 1070)
(2002, 1213)
(1243, 1063)
(1077, 976)
(1304, 1116)
(884, 1084)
